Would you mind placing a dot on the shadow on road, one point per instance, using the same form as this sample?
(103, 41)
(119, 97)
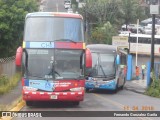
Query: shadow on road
(53, 104)
(99, 91)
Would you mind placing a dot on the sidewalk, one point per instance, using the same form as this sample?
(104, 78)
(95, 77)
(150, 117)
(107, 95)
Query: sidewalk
(8, 99)
(138, 86)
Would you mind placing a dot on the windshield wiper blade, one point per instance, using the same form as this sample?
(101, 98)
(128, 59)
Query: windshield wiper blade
(79, 77)
(40, 77)
(66, 40)
(53, 72)
(103, 71)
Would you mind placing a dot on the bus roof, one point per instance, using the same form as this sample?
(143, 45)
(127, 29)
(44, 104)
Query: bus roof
(51, 14)
(103, 48)
(139, 35)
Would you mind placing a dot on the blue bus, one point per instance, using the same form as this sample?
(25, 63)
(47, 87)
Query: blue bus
(109, 67)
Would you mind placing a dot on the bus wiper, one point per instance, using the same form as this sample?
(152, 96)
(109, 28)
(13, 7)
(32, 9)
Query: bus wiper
(103, 71)
(40, 77)
(66, 40)
(53, 71)
(79, 77)
(111, 75)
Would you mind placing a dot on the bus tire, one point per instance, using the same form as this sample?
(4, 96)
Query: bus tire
(123, 84)
(76, 103)
(87, 90)
(116, 90)
(29, 103)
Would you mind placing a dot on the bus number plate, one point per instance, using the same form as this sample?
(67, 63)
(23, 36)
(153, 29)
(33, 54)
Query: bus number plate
(53, 96)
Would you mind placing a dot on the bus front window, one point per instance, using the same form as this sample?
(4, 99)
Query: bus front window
(53, 28)
(39, 63)
(67, 64)
(103, 64)
(53, 64)
(107, 64)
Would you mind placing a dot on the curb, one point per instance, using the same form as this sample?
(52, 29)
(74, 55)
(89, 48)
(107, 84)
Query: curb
(17, 108)
(133, 90)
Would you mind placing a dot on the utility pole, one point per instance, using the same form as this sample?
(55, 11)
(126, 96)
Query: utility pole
(154, 9)
(129, 40)
(137, 42)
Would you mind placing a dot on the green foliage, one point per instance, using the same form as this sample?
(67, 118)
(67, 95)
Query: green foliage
(3, 80)
(117, 12)
(131, 10)
(7, 84)
(103, 34)
(12, 16)
(154, 89)
(100, 11)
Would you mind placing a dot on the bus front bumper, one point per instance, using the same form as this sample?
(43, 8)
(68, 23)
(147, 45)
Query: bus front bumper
(52, 96)
(107, 85)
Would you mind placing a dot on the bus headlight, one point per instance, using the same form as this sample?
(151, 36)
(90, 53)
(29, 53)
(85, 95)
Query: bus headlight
(77, 89)
(29, 88)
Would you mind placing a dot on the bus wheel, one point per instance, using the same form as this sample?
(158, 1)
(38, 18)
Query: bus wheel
(123, 84)
(29, 103)
(76, 103)
(116, 90)
(87, 90)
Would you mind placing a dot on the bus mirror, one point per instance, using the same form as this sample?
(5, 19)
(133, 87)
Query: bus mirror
(88, 58)
(118, 60)
(18, 56)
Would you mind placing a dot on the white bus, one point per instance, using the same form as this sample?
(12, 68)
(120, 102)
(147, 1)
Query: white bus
(144, 43)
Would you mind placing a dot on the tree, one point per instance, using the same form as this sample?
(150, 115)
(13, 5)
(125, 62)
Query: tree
(12, 15)
(131, 11)
(98, 12)
(103, 34)
(102, 10)
(116, 12)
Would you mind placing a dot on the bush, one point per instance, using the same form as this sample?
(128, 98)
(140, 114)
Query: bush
(3, 80)
(154, 89)
(7, 84)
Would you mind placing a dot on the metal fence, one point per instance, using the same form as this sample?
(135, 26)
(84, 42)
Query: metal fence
(7, 66)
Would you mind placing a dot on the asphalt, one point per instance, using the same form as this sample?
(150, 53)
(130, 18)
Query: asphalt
(137, 86)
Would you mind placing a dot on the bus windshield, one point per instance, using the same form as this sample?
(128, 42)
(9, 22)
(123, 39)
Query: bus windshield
(104, 64)
(53, 28)
(52, 64)
(68, 63)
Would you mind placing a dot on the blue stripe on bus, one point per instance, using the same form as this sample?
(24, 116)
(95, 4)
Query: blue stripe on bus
(27, 45)
(111, 85)
(40, 45)
(26, 82)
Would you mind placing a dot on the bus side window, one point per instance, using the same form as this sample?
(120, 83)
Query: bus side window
(158, 41)
(131, 39)
(134, 40)
(155, 41)
(148, 41)
(140, 40)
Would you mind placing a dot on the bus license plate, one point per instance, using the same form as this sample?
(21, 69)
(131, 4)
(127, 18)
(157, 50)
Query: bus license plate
(53, 96)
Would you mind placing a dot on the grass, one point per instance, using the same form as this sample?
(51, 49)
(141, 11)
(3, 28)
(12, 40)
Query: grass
(154, 89)
(7, 84)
